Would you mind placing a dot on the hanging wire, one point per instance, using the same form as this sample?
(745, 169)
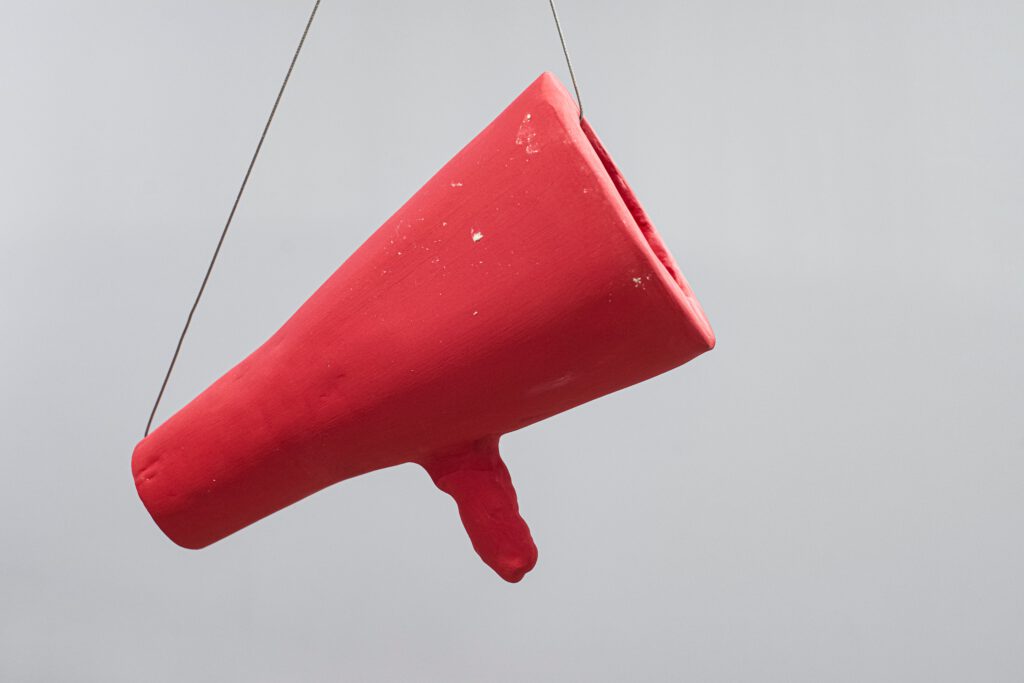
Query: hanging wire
(565, 51)
(248, 174)
(231, 215)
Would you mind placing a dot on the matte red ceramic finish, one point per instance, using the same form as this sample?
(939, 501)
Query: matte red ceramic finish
(522, 280)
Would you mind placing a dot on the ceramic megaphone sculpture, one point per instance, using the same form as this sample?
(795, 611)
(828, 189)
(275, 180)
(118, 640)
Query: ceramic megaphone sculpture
(523, 279)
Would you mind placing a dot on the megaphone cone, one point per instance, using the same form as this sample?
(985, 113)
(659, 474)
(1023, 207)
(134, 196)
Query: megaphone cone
(523, 279)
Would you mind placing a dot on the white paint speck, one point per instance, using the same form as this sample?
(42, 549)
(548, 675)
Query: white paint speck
(527, 135)
(637, 281)
(476, 312)
(477, 236)
(456, 183)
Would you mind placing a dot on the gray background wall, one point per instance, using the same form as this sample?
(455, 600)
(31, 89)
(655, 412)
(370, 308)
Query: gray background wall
(833, 494)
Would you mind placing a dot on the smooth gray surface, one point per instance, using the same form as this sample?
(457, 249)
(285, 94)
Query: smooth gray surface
(833, 494)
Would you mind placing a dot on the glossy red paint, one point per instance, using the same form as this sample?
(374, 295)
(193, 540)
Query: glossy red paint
(523, 279)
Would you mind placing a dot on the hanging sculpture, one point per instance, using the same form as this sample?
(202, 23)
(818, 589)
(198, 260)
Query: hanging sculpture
(523, 279)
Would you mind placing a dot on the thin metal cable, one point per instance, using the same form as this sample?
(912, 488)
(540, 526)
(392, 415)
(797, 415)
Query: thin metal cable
(565, 51)
(234, 208)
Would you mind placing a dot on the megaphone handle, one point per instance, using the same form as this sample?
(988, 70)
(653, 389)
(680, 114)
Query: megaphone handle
(475, 476)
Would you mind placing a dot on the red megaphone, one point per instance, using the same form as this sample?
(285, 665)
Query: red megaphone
(523, 279)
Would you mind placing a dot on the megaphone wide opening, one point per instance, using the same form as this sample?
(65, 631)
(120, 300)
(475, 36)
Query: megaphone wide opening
(655, 246)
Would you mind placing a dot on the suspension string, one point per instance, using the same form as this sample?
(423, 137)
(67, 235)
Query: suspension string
(565, 51)
(252, 164)
(231, 215)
